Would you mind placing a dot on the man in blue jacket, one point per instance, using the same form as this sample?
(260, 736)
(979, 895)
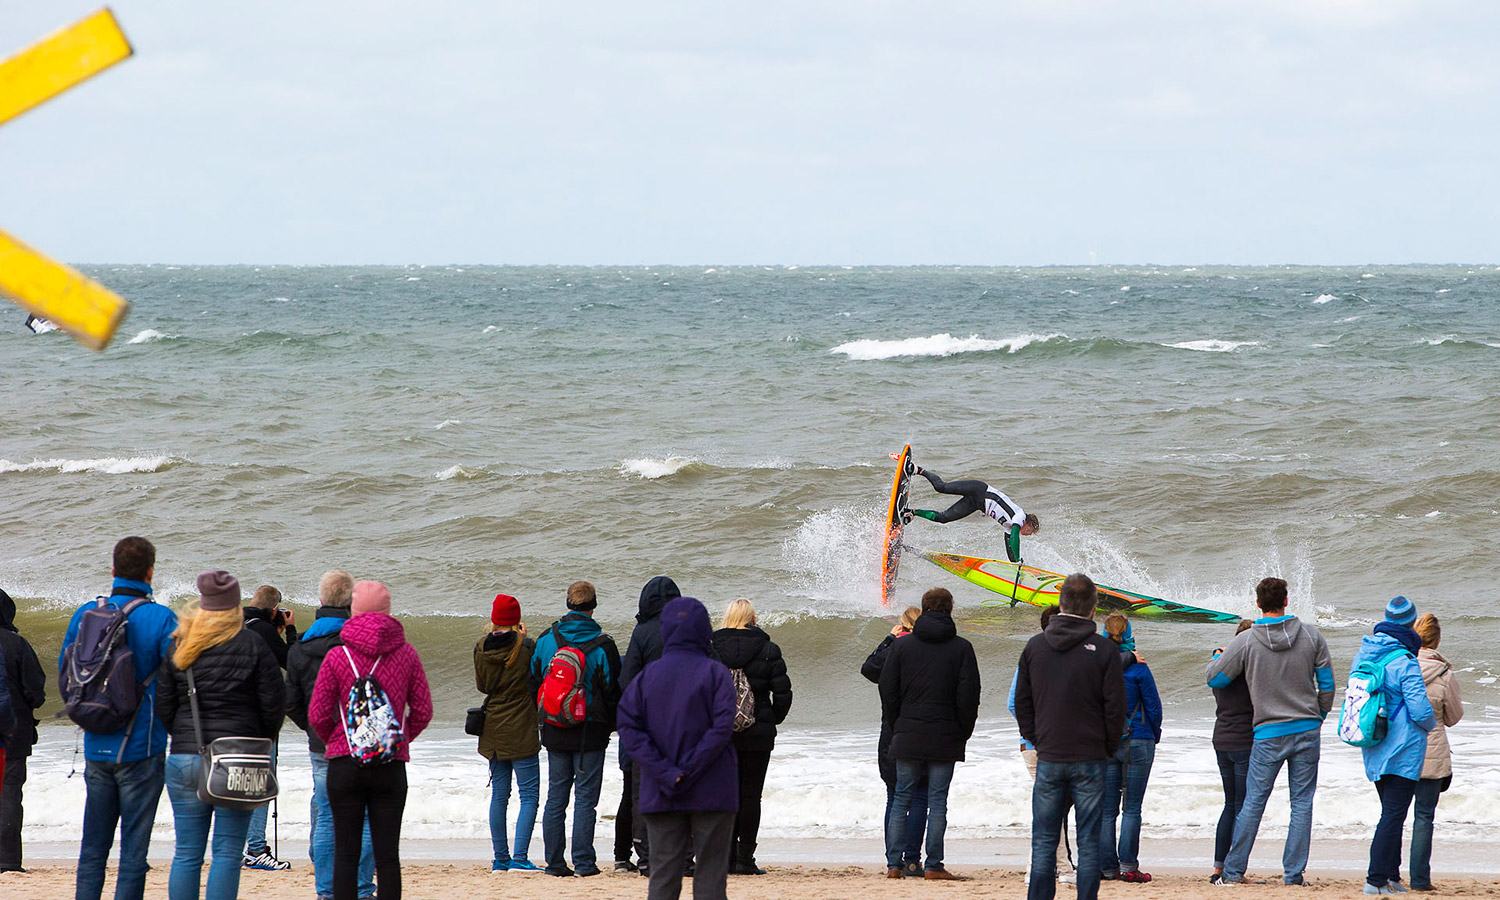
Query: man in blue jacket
(1395, 764)
(124, 771)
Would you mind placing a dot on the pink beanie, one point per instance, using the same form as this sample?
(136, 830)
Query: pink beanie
(370, 596)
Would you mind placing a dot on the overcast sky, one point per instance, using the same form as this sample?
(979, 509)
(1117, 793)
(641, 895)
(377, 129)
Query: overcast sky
(815, 131)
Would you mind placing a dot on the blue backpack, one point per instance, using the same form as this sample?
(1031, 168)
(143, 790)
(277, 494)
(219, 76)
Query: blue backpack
(1363, 720)
(100, 693)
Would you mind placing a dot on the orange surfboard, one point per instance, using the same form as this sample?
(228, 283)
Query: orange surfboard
(894, 522)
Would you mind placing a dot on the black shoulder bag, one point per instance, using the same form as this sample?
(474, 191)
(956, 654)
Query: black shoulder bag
(233, 772)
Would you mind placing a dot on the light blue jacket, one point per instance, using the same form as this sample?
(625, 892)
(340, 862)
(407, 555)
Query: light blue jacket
(1407, 709)
(1010, 704)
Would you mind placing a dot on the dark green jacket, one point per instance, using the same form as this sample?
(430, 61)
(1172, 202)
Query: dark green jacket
(510, 727)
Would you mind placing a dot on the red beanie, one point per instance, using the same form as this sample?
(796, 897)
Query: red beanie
(506, 612)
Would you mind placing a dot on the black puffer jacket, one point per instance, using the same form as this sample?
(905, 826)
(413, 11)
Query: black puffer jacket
(259, 621)
(753, 651)
(304, 660)
(875, 664)
(27, 681)
(645, 640)
(240, 693)
(929, 691)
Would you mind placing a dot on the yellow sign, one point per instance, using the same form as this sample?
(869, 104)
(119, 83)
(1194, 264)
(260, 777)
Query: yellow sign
(86, 309)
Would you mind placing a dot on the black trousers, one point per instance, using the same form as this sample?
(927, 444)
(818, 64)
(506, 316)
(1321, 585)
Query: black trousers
(678, 837)
(625, 820)
(638, 821)
(10, 809)
(355, 791)
(971, 496)
(753, 765)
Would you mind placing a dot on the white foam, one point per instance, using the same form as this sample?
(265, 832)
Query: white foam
(490, 329)
(149, 335)
(109, 465)
(651, 469)
(938, 345)
(1213, 346)
(1433, 515)
(446, 422)
(453, 472)
(1324, 298)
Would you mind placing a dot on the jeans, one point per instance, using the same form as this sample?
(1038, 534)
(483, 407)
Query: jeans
(1125, 776)
(1057, 785)
(1385, 848)
(192, 819)
(528, 772)
(1233, 765)
(1300, 753)
(909, 773)
(356, 794)
(11, 813)
(125, 794)
(255, 841)
(916, 821)
(677, 837)
(567, 770)
(320, 841)
(1428, 791)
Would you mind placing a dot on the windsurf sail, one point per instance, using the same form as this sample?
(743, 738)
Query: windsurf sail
(1016, 583)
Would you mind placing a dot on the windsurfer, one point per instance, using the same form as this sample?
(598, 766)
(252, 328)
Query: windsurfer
(976, 496)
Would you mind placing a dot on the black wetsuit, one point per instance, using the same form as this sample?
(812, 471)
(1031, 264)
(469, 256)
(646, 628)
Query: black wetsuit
(976, 496)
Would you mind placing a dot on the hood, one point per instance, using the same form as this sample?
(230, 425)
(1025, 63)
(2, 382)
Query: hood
(1279, 633)
(498, 645)
(1403, 634)
(1065, 632)
(7, 612)
(934, 627)
(324, 625)
(255, 612)
(577, 627)
(655, 596)
(739, 646)
(1372, 646)
(373, 633)
(1433, 664)
(684, 627)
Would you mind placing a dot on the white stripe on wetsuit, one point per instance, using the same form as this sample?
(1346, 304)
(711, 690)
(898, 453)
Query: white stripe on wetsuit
(1002, 509)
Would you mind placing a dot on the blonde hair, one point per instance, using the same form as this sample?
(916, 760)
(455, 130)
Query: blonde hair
(740, 613)
(909, 617)
(1115, 625)
(1428, 630)
(515, 650)
(336, 589)
(198, 630)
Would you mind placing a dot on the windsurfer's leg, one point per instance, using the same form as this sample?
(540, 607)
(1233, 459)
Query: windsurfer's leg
(971, 497)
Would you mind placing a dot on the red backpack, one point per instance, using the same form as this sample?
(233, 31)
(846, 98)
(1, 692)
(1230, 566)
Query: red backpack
(562, 700)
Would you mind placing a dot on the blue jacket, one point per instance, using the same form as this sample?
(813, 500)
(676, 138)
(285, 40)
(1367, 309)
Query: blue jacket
(1010, 704)
(677, 720)
(1142, 704)
(1407, 709)
(601, 672)
(149, 634)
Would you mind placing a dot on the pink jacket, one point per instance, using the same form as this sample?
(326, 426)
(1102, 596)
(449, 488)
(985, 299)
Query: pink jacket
(370, 637)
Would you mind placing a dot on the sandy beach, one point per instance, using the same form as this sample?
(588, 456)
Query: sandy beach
(441, 879)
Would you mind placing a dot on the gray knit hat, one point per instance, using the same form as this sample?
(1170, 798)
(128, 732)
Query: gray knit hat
(218, 591)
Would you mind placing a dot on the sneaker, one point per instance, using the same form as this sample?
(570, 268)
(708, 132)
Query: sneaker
(523, 865)
(1397, 887)
(1067, 878)
(498, 868)
(624, 867)
(265, 861)
(1382, 889)
(1135, 877)
(1215, 878)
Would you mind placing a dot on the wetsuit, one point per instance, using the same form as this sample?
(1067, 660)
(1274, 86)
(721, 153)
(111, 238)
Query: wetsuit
(973, 497)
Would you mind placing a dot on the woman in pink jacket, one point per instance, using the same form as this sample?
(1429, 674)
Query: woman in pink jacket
(368, 751)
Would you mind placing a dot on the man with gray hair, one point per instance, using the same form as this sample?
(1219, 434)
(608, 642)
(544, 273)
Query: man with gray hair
(335, 595)
(1070, 704)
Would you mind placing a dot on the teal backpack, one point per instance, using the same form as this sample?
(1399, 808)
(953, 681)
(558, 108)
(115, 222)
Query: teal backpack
(1363, 721)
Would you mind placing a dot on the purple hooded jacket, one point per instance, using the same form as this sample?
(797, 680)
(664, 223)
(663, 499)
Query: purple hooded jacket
(676, 720)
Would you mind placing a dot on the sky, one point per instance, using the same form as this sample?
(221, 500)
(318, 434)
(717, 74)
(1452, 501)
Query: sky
(841, 132)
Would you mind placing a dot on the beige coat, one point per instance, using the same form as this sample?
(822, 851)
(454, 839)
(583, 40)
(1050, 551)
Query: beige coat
(1447, 707)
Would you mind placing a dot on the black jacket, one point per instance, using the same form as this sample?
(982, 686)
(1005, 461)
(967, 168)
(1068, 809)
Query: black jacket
(929, 691)
(25, 678)
(1070, 695)
(645, 640)
(753, 651)
(1234, 717)
(259, 621)
(874, 664)
(302, 663)
(240, 694)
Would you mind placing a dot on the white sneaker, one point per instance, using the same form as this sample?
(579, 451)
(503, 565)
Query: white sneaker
(1067, 878)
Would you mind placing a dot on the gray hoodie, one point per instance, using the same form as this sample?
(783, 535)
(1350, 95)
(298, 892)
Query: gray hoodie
(1286, 663)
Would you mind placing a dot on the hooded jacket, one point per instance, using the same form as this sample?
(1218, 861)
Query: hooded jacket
(259, 622)
(302, 663)
(1234, 717)
(874, 664)
(752, 650)
(374, 641)
(240, 693)
(1070, 695)
(1447, 710)
(1286, 663)
(510, 730)
(929, 691)
(23, 679)
(677, 718)
(601, 679)
(1409, 715)
(645, 639)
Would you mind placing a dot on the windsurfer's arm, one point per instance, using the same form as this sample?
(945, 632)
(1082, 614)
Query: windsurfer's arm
(1013, 543)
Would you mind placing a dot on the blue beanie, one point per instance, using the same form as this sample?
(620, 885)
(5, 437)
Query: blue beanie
(1401, 611)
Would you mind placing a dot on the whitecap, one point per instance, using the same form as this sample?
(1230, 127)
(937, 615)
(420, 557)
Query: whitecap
(1433, 515)
(1324, 298)
(1213, 346)
(1443, 290)
(1125, 287)
(109, 465)
(149, 335)
(446, 422)
(490, 329)
(414, 278)
(651, 469)
(938, 345)
(453, 472)
(280, 300)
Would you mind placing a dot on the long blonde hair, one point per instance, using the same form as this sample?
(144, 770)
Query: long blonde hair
(515, 650)
(740, 613)
(909, 617)
(198, 630)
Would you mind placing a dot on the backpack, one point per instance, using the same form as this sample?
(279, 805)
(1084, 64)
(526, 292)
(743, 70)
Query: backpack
(562, 700)
(100, 693)
(370, 722)
(1362, 720)
(744, 701)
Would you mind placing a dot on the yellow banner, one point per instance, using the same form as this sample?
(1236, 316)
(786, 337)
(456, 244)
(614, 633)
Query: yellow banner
(85, 308)
(60, 61)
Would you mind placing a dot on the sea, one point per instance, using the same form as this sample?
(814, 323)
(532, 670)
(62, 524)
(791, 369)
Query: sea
(458, 431)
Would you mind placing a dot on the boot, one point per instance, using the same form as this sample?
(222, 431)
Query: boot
(744, 861)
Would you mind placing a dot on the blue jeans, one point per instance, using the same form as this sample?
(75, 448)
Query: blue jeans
(567, 770)
(1300, 753)
(1385, 848)
(320, 842)
(1058, 784)
(916, 821)
(528, 773)
(255, 841)
(1125, 776)
(1428, 791)
(1233, 767)
(123, 794)
(192, 819)
(909, 774)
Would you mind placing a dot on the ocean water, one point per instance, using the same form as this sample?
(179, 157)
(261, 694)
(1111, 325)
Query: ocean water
(458, 431)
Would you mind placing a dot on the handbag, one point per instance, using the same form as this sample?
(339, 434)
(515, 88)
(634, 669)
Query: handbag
(474, 721)
(233, 772)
